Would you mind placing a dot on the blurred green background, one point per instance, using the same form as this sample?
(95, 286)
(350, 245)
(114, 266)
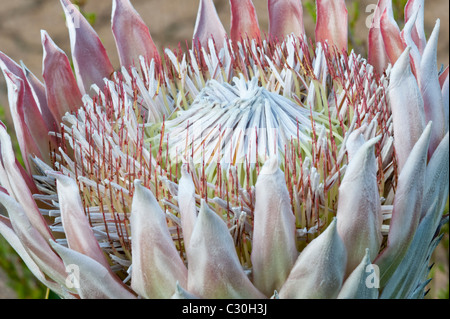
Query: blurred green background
(170, 23)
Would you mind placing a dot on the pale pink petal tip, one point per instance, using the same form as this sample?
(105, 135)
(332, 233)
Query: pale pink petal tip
(63, 94)
(244, 22)
(132, 35)
(208, 25)
(285, 18)
(16, 97)
(418, 32)
(38, 92)
(377, 55)
(392, 39)
(332, 23)
(31, 127)
(90, 60)
(408, 41)
(319, 270)
(212, 245)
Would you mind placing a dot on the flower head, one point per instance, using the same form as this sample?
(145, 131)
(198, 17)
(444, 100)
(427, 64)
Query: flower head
(245, 167)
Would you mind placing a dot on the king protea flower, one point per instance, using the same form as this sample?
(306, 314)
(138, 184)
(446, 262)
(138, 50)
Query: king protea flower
(248, 166)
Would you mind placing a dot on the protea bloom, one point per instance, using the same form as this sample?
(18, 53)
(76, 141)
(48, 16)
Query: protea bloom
(245, 167)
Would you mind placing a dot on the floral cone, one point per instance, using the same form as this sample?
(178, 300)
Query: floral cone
(245, 167)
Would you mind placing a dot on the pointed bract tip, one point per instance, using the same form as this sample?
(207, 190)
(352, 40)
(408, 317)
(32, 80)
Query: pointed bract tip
(332, 25)
(285, 18)
(244, 22)
(184, 170)
(90, 60)
(270, 166)
(132, 36)
(208, 25)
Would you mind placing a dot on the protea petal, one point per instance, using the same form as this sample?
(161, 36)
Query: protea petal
(33, 93)
(390, 32)
(332, 23)
(418, 32)
(430, 88)
(445, 100)
(274, 249)
(408, 41)
(157, 265)
(94, 281)
(186, 203)
(132, 35)
(354, 142)
(61, 87)
(407, 207)
(90, 60)
(6, 63)
(18, 185)
(214, 267)
(358, 215)
(4, 178)
(407, 108)
(436, 179)
(78, 231)
(286, 17)
(362, 282)
(16, 94)
(208, 25)
(414, 267)
(35, 245)
(40, 97)
(244, 22)
(378, 56)
(425, 239)
(31, 129)
(319, 270)
(6, 230)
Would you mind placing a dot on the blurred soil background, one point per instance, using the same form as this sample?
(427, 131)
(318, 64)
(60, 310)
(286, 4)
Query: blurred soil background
(171, 22)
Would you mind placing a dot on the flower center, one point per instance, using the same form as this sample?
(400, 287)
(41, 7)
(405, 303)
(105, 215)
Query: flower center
(237, 124)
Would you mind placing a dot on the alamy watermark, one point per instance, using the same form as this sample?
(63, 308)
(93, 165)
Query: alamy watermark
(73, 277)
(73, 16)
(373, 19)
(373, 276)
